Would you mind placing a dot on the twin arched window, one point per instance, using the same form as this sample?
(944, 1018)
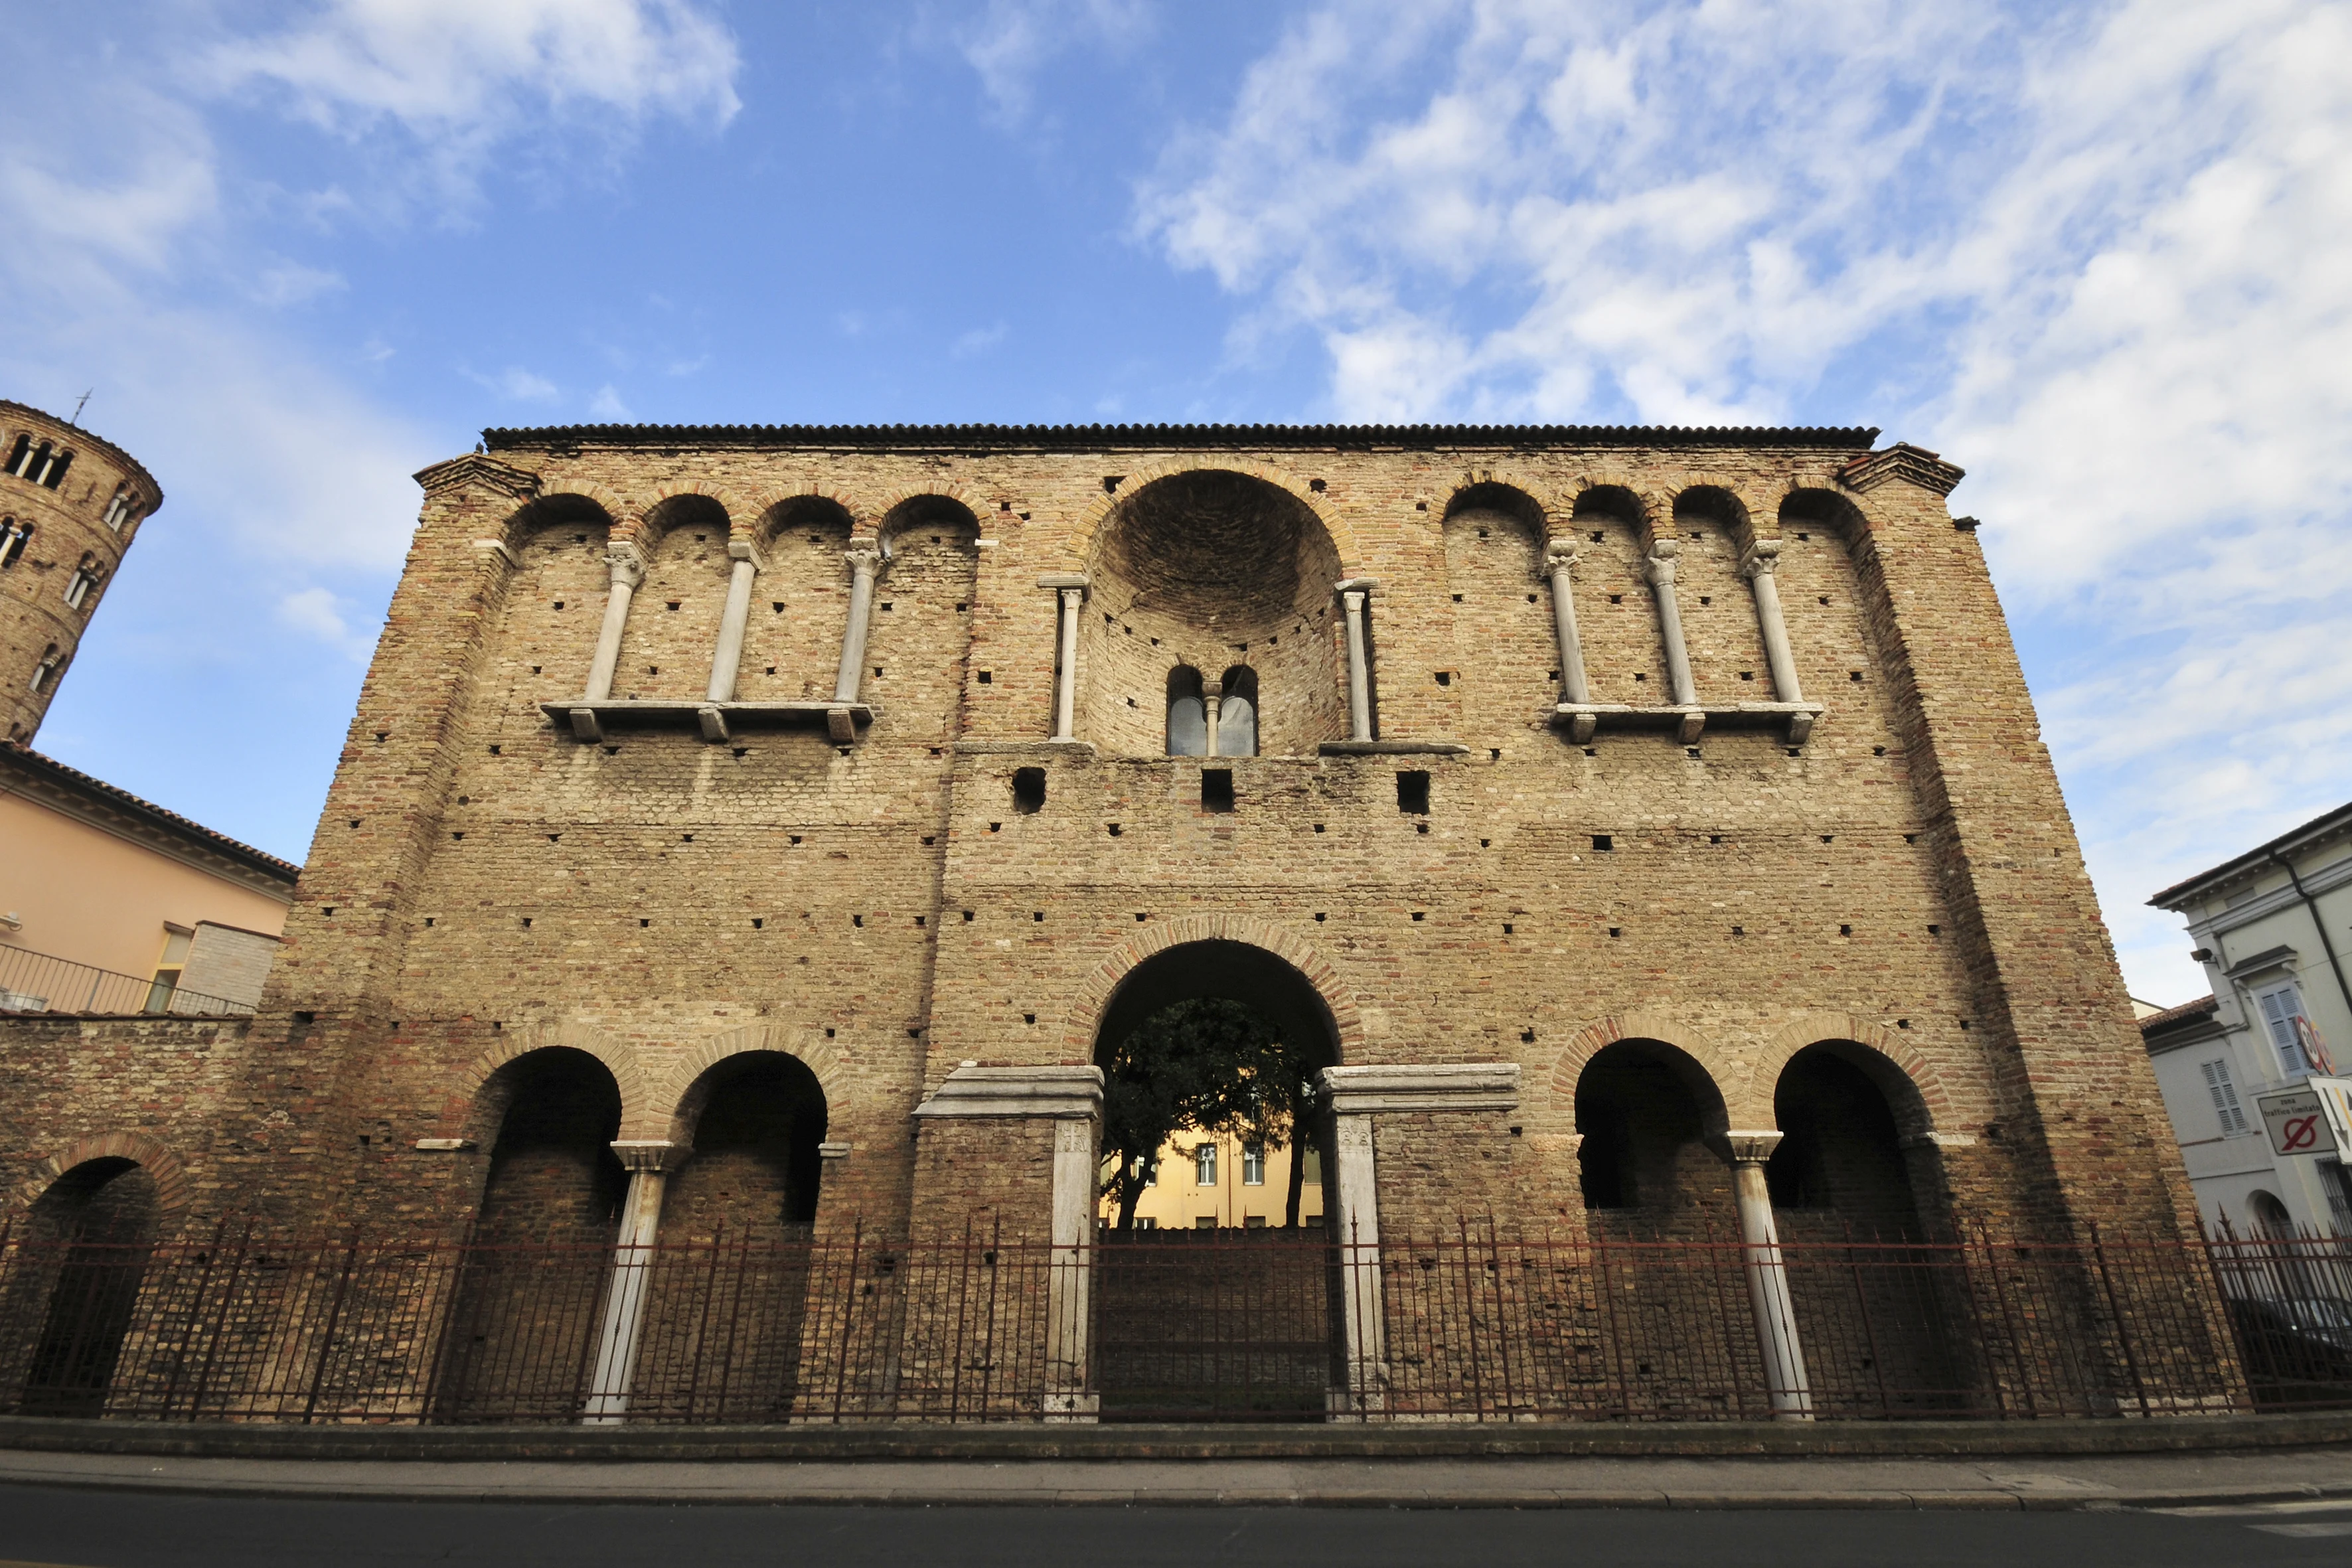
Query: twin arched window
(44, 464)
(1206, 721)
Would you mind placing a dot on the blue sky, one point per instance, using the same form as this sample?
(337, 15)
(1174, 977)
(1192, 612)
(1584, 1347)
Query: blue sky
(2095, 254)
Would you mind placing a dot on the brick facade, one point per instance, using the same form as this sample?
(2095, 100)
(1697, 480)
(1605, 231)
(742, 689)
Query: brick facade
(485, 885)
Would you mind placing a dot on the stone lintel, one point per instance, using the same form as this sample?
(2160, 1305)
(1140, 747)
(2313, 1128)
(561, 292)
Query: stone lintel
(1391, 749)
(1084, 751)
(1063, 580)
(1941, 1140)
(833, 1151)
(1442, 1086)
(1054, 1091)
(444, 1145)
(715, 720)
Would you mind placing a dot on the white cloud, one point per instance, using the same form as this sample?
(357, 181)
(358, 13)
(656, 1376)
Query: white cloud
(454, 79)
(517, 384)
(979, 340)
(291, 283)
(1011, 40)
(2093, 254)
(318, 612)
(607, 405)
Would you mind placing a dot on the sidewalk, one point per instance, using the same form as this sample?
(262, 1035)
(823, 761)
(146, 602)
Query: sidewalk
(2015, 1482)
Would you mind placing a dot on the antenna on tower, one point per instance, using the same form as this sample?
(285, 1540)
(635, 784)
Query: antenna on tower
(76, 420)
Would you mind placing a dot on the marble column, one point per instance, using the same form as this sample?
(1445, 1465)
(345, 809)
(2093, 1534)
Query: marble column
(727, 662)
(1763, 556)
(1560, 558)
(1069, 599)
(1213, 692)
(627, 566)
(1785, 1383)
(649, 1160)
(1353, 596)
(864, 562)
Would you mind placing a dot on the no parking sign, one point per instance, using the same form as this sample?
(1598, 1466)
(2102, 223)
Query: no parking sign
(2315, 1119)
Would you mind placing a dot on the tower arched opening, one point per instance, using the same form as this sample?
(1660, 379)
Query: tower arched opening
(75, 1290)
(1644, 1110)
(758, 1121)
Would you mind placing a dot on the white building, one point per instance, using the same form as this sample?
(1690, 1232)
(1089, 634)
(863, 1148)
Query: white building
(2247, 1074)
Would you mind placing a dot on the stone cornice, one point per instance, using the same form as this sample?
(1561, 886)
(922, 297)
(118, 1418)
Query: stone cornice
(485, 472)
(1055, 1091)
(1171, 438)
(1444, 1086)
(1903, 461)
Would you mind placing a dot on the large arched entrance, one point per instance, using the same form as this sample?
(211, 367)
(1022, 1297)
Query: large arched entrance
(1227, 1315)
(87, 1239)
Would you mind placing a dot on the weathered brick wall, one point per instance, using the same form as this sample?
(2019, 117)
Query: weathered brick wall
(482, 883)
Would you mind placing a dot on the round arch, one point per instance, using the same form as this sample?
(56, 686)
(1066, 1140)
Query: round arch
(665, 1109)
(1699, 1055)
(674, 504)
(917, 505)
(1096, 994)
(174, 1191)
(619, 1057)
(1538, 509)
(1342, 533)
(1915, 1090)
(811, 508)
(581, 506)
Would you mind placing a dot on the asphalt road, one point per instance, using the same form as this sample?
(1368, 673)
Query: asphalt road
(51, 1526)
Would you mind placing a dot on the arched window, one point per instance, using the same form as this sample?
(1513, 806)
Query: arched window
(53, 472)
(18, 453)
(13, 537)
(84, 578)
(118, 510)
(47, 668)
(1188, 718)
(1237, 713)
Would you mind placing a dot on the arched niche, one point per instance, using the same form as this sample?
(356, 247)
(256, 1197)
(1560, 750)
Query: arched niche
(1824, 598)
(73, 1291)
(1210, 568)
(673, 626)
(552, 1174)
(800, 602)
(1720, 631)
(1842, 1167)
(756, 1119)
(1617, 620)
(1237, 699)
(920, 632)
(1506, 652)
(1645, 1111)
(1188, 713)
(554, 599)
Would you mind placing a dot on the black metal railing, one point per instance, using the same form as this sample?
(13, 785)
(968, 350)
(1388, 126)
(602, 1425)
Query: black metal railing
(35, 983)
(1265, 1326)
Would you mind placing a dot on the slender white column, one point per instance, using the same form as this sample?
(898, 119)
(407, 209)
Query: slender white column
(1213, 692)
(633, 1265)
(1069, 598)
(1762, 557)
(1353, 594)
(627, 566)
(864, 561)
(1357, 1229)
(1068, 1285)
(727, 662)
(1557, 561)
(1768, 1278)
(1670, 621)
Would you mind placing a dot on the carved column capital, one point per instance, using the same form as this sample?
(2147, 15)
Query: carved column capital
(651, 1154)
(1660, 565)
(1560, 555)
(744, 550)
(865, 559)
(627, 564)
(1748, 1146)
(1762, 557)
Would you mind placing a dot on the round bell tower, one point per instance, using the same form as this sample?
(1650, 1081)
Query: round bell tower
(70, 505)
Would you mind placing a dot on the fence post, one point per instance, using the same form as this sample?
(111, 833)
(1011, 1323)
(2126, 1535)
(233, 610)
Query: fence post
(1767, 1276)
(632, 1258)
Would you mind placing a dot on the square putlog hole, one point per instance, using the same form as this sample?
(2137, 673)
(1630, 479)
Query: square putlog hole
(1216, 789)
(1028, 790)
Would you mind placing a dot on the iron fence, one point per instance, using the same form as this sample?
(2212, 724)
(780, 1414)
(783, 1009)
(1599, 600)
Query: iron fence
(1267, 1326)
(36, 983)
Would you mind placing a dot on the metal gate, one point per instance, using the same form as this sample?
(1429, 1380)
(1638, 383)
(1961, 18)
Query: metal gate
(1215, 1325)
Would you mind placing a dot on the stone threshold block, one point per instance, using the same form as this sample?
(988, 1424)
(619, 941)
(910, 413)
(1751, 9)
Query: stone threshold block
(1389, 749)
(717, 721)
(1688, 722)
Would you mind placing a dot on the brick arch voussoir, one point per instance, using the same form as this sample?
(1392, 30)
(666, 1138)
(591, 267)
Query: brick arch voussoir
(887, 521)
(174, 1191)
(663, 1112)
(1643, 1024)
(1935, 1096)
(1093, 993)
(615, 510)
(759, 519)
(619, 1057)
(1344, 539)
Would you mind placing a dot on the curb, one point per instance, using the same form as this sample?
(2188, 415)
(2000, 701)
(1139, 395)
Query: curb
(263, 1440)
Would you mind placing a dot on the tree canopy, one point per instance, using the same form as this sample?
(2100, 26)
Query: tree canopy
(1210, 1065)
